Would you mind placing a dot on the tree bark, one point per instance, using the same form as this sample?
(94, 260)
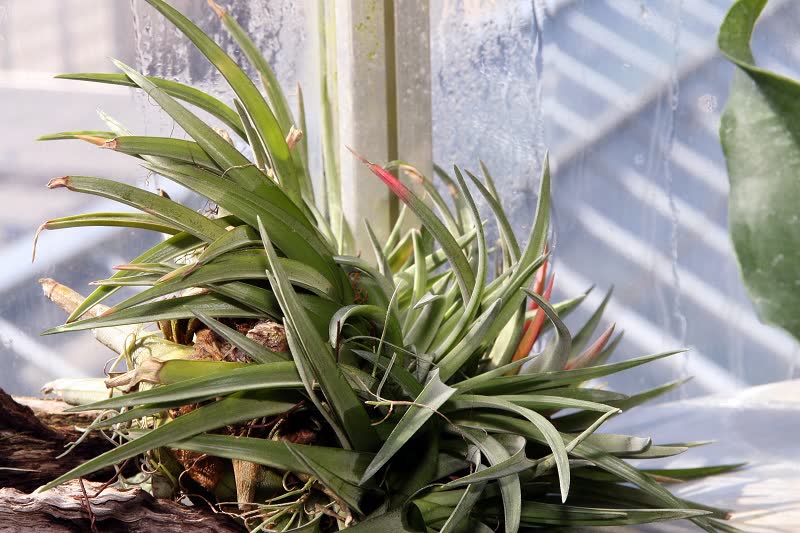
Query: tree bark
(66, 508)
(32, 435)
(31, 441)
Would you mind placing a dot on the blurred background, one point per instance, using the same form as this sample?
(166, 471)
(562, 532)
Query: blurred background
(625, 94)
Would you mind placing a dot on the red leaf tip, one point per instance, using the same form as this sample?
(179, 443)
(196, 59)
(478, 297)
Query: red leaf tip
(361, 157)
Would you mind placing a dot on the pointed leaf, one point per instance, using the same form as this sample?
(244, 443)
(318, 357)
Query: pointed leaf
(432, 397)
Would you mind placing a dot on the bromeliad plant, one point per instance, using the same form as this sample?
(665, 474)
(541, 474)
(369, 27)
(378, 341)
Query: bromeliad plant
(318, 391)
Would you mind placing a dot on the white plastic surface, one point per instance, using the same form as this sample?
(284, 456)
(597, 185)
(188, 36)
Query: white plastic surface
(759, 426)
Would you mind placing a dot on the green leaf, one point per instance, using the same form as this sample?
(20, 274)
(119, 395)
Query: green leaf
(296, 239)
(620, 444)
(268, 376)
(162, 208)
(473, 305)
(695, 473)
(596, 455)
(375, 315)
(351, 493)
(541, 223)
(398, 226)
(277, 98)
(316, 356)
(577, 421)
(510, 489)
(263, 119)
(413, 468)
(461, 268)
(393, 521)
(239, 237)
(235, 165)
(238, 407)
(760, 134)
(484, 377)
(516, 462)
(581, 339)
(538, 513)
(139, 280)
(124, 220)
(171, 248)
(503, 225)
(437, 258)
(183, 92)
(76, 135)
(170, 309)
(423, 330)
(530, 382)
(178, 149)
(410, 386)
(432, 397)
(616, 495)
(239, 265)
(420, 282)
(454, 360)
(551, 435)
(465, 505)
(539, 402)
(460, 208)
(346, 464)
(556, 354)
(384, 284)
(259, 151)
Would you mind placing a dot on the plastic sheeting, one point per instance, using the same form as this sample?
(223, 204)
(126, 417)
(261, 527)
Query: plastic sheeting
(757, 426)
(626, 95)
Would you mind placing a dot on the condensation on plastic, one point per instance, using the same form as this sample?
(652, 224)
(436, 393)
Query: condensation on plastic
(627, 97)
(486, 98)
(277, 28)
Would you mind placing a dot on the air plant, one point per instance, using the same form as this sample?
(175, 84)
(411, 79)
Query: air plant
(299, 387)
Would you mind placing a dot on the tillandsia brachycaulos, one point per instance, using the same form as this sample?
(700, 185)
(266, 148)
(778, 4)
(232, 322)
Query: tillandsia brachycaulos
(316, 390)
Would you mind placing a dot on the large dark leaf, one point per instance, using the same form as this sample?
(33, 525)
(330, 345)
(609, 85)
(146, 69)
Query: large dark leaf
(760, 134)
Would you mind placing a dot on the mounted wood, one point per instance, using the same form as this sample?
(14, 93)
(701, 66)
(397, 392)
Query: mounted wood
(65, 509)
(32, 434)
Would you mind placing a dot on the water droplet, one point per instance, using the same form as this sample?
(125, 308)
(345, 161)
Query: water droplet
(707, 103)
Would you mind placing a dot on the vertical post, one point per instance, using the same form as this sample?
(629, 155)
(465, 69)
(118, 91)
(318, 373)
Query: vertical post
(383, 89)
(413, 83)
(362, 110)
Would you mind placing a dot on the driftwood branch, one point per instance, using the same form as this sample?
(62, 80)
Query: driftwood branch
(32, 435)
(68, 508)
